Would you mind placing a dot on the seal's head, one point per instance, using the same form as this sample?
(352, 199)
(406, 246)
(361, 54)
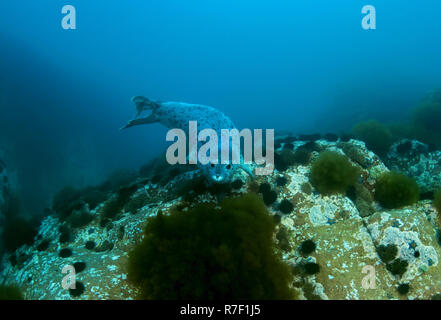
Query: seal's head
(217, 173)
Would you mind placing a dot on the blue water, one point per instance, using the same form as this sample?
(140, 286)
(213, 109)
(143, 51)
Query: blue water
(304, 66)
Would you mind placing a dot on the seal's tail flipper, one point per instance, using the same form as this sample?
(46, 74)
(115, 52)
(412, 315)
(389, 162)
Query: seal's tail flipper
(142, 103)
(136, 122)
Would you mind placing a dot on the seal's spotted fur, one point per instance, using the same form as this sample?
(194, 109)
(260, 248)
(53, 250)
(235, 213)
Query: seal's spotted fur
(177, 115)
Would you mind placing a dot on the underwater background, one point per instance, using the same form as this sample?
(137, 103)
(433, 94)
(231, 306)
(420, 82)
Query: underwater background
(303, 67)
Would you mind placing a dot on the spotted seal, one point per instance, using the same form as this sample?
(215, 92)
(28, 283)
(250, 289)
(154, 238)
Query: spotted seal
(178, 115)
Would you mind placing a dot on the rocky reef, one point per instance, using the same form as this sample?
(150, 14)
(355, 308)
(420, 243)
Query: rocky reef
(418, 161)
(331, 241)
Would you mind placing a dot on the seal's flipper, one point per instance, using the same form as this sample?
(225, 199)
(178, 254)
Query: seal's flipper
(142, 103)
(247, 169)
(136, 122)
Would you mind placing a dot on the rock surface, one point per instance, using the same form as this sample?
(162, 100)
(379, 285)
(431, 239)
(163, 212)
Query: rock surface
(347, 230)
(415, 159)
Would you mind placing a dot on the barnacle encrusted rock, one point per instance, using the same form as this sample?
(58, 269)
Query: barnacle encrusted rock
(344, 247)
(359, 154)
(415, 159)
(412, 231)
(346, 243)
(346, 229)
(105, 276)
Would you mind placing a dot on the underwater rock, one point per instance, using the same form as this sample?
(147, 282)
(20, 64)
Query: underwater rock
(360, 154)
(80, 217)
(346, 229)
(344, 243)
(310, 137)
(343, 247)
(415, 160)
(159, 171)
(105, 276)
(105, 246)
(412, 231)
(331, 137)
(43, 245)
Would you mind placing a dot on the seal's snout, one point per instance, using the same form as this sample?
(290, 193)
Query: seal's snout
(217, 177)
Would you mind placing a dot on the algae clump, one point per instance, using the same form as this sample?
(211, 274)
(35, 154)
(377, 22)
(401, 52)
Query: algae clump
(395, 190)
(211, 253)
(333, 173)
